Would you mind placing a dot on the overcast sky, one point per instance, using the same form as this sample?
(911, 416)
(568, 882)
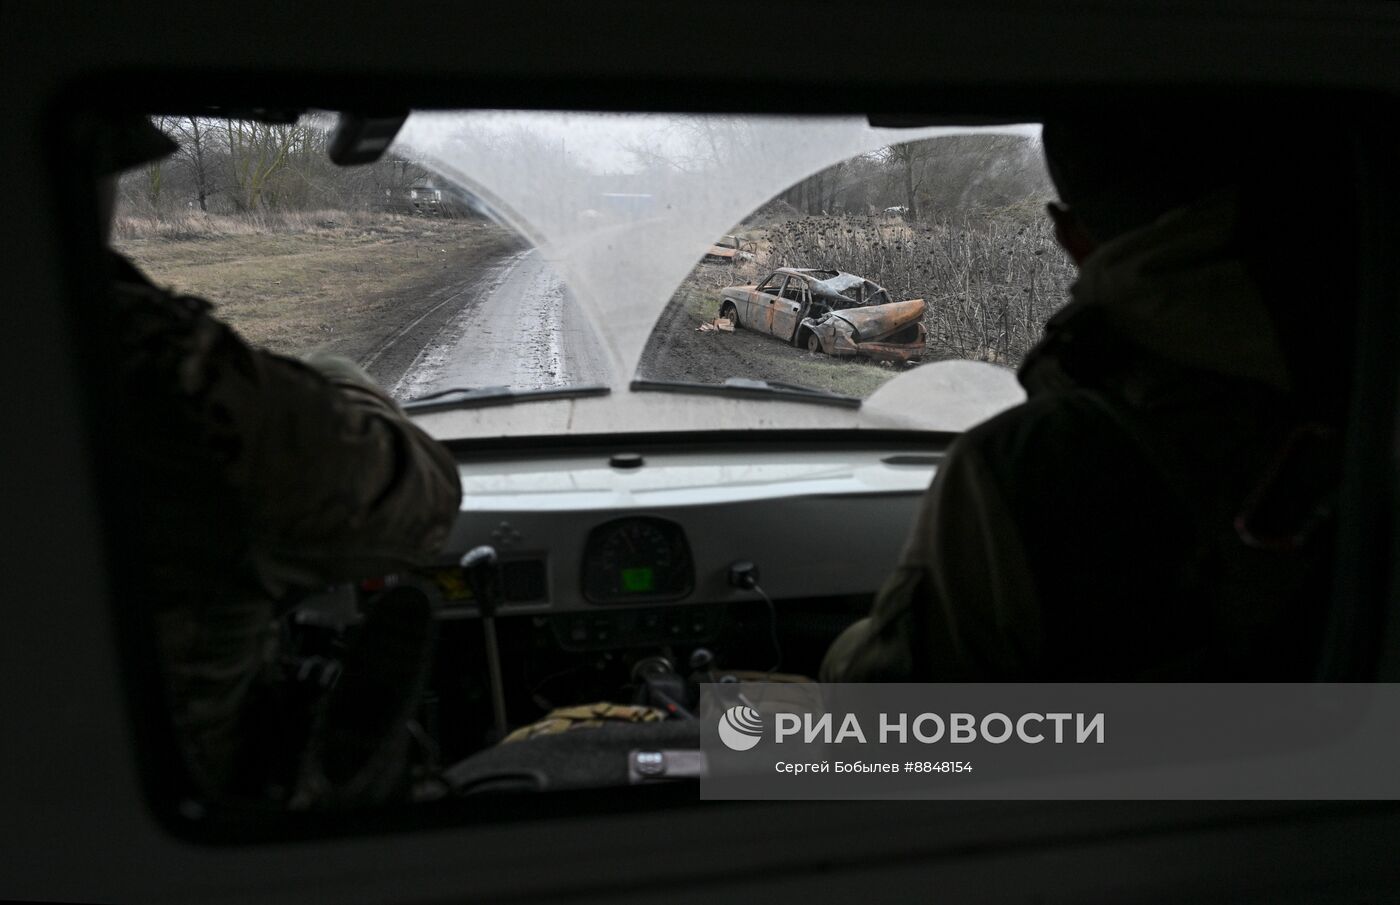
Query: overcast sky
(604, 142)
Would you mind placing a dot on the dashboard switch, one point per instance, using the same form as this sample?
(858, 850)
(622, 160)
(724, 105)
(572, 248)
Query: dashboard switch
(636, 628)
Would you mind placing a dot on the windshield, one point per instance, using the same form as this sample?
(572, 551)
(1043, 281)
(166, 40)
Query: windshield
(687, 272)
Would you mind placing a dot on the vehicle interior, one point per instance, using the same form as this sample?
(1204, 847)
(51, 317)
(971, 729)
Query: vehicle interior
(657, 518)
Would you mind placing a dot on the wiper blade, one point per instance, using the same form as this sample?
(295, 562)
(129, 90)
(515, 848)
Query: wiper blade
(749, 388)
(477, 397)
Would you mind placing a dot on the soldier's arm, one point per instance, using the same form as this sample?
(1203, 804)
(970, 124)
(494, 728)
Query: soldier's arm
(332, 480)
(335, 481)
(959, 607)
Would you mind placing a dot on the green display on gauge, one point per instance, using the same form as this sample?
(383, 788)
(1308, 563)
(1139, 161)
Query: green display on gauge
(638, 581)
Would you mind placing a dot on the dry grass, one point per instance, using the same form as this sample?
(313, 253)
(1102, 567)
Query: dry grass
(194, 225)
(991, 283)
(300, 281)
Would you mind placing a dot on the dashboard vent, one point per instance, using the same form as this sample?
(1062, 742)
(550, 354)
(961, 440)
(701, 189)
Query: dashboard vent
(523, 580)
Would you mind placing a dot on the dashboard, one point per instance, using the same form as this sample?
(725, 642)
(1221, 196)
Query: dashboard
(612, 578)
(620, 572)
(601, 528)
(610, 548)
(595, 533)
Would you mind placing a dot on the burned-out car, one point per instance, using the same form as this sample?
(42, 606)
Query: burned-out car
(727, 250)
(830, 312)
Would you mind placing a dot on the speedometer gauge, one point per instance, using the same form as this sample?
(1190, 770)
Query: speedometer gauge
(637, 559)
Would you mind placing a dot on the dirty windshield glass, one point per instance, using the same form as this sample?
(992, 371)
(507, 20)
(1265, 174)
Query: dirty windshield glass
(496, 253)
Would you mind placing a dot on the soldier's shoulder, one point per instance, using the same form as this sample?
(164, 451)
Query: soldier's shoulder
(170, 339)
(143, 302)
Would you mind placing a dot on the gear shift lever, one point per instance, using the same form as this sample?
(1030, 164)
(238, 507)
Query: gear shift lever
(483, 568)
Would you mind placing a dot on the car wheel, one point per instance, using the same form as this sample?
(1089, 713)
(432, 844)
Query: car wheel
(814, 345)
(729, 311)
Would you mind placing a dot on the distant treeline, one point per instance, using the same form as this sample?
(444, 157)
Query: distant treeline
(931, 179)
(232, 166)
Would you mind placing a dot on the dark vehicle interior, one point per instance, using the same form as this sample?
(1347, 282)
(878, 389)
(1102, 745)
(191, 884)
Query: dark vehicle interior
(96, 804)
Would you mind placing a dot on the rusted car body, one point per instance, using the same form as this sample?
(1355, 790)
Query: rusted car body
(727, 250)
(830, 312)
(892, 332)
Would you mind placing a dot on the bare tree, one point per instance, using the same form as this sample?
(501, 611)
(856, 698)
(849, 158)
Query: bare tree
(193, 135)
(257, 153)
(154, 171)
(910, 159)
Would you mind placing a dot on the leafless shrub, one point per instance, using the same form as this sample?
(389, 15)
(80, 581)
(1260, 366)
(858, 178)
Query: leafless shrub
(990, 282)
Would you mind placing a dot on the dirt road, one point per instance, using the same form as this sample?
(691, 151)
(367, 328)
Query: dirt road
(515, 325)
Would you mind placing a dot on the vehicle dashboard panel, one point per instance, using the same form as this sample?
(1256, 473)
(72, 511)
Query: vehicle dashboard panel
(577, 533)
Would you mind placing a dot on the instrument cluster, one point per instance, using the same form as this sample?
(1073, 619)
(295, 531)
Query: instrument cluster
(637, 559)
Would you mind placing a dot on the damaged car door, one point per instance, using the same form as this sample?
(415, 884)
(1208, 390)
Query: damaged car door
(789, 307)
(762, 303)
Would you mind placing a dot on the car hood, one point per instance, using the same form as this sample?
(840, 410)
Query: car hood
(875, 322)
(949, 396)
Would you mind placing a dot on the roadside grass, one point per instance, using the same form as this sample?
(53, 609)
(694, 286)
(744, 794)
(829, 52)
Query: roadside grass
(702, 303)
(849, 378)
(193, 225)
(991, 281)
(326, 280)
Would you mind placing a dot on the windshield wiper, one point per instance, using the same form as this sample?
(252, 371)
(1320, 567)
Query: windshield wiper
(749, 388)
(476, 397)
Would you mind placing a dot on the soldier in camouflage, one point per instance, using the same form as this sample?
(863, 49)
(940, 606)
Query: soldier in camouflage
(1159, 507)
(248, 476)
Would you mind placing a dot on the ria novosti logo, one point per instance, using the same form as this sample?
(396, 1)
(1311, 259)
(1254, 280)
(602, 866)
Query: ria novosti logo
(740, 727)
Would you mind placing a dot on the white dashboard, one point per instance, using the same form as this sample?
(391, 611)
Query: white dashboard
(813, 522)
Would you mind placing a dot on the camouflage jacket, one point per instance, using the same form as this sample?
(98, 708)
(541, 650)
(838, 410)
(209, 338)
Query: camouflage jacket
(1089, 533)
(245, 475)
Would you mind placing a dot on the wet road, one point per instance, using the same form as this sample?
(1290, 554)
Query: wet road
(521, 328)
